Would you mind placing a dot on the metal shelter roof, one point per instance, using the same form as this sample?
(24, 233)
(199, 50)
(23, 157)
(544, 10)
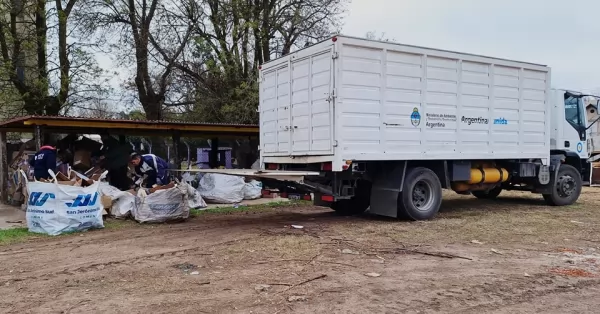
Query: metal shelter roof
(64, 124)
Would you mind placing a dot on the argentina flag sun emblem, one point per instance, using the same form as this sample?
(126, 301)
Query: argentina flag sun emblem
(415, 117)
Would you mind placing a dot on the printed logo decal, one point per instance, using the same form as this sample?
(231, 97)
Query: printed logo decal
(415, 117)
(84, 200)
(474, 120)
(501, 121)
(39, 198)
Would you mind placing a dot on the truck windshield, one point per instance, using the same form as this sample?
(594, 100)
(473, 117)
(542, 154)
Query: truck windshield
(574, 112)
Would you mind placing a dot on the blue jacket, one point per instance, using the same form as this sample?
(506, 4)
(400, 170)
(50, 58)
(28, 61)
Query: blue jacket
(153, 166)
(42, 161)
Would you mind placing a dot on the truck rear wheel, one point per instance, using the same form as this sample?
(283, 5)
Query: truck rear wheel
(567, 187)
(421, 195)
(358, 203)
(488, 195)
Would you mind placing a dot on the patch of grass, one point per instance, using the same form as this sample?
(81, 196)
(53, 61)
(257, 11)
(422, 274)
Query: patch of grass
(14, 235)
(242, 208)
(113, 224)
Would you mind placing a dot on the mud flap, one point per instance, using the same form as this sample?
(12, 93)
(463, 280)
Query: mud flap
(555, 162)
(387, 185)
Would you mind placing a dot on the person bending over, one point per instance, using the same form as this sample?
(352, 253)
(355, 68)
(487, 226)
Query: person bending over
(154, 167)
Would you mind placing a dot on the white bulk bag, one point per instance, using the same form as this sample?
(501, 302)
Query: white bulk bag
(54, 208)
(195, 200)
(123, 202)
(253, 190)
(221, 188)
(162, 205)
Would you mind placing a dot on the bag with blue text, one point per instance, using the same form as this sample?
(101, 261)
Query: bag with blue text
(162, 205)
(54, 208)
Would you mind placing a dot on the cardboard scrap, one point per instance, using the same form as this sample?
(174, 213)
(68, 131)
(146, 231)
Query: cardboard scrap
(82, 160)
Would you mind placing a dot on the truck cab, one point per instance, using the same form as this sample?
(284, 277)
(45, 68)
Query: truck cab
(569, 123)
(570, 126)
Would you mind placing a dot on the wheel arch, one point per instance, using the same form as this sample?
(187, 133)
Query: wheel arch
(570, 158)
(439, 167)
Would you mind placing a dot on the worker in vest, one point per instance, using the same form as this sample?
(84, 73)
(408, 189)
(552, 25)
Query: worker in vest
(42, 161)
(154, 167)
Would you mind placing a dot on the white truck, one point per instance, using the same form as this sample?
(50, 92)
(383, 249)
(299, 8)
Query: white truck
(388, 126)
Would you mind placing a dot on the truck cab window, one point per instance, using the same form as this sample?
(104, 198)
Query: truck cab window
(574, 112)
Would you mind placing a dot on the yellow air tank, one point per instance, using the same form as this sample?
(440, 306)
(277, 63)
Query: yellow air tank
(488, 175)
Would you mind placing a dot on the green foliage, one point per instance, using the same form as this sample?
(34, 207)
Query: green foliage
(196, 59)
(233, 38)
(14, 235)
(44, 69)
(249, 208)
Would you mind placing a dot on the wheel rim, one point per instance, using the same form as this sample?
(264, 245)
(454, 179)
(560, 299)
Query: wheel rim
(422, 196)
(566, 186)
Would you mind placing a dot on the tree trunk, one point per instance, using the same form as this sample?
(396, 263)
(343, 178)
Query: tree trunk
(153, 107)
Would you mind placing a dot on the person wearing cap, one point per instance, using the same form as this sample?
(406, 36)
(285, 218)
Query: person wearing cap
(154, 167)
(42, 161)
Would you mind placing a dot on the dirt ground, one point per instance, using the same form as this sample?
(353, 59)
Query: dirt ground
(512, 255)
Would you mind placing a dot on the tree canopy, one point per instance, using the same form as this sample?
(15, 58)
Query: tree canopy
(189, 59)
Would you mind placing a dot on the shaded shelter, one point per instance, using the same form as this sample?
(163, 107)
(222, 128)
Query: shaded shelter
(43, 125)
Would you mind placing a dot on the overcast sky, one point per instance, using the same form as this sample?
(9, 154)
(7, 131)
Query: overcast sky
(564, 35)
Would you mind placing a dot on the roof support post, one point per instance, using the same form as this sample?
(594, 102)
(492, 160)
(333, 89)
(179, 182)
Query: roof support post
(176, 154)
(39, 137)
(3, 169)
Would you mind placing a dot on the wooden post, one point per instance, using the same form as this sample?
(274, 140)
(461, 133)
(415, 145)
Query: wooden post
(213, 155)
(3, 169)
(38, 137)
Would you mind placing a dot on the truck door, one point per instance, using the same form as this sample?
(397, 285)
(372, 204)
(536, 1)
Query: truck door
(275, 111)
(312, 104)
(574, 133)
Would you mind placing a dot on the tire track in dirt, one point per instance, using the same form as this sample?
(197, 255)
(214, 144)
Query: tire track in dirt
(519, 292)
(130, 270)
(68, 268)
(94, 246)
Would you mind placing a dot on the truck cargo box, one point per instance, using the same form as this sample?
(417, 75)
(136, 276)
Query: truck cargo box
(355, 99)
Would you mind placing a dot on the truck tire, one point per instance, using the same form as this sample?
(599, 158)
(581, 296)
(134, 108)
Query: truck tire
(358, 203)
(421, 195)
(488, 195)
(567, 187)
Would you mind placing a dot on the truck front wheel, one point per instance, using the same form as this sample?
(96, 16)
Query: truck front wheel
(567, 187)
(421, 195)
